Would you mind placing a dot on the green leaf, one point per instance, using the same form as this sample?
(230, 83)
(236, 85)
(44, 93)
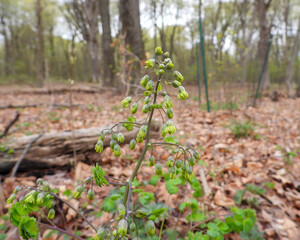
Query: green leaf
(223, 227)
(28, 228)
(2, 236)
(171, 185)
(238, 197)
(171, 139)
(67, 193)
(247, 225)
(197, 217)
(2, 226)
(135, 183)
(16, 212)
(146, 197)
(183, 205)
(154, 180)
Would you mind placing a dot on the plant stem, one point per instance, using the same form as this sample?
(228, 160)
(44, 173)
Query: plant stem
(46, 226)
(161, 228)
(138, 165)
(65, 202)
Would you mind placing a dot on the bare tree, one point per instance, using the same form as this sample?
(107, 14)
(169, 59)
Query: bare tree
(107, 49)
(131, 27)
(40, 43)
(4, 32)
(84, 14)
(264, 34)
(290, 68)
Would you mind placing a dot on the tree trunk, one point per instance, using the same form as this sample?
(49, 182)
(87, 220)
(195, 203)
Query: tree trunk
(92, 45)
(40, 44)
(131, 27)
(264, 34)
(290, 68)
(7, 57)
(107, 50)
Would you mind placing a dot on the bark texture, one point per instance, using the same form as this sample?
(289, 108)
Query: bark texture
(107, 49)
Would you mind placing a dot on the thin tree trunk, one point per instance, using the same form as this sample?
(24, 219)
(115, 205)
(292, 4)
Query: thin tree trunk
(264, 34)
(40, 43)
(92, 46)
(107, 50)
(290, 68)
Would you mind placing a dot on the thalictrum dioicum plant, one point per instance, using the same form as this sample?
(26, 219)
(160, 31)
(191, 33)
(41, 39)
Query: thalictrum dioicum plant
(153, 98)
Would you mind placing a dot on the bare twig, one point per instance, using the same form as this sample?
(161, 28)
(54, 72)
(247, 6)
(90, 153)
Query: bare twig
(46, 226)
(15, 169)
(10, 124)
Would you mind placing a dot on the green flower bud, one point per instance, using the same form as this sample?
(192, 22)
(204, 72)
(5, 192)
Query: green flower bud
(151, 161)
(132, 144)
(162, 66)
(88, 180)
(121, 209)
(170, 161)
(158, 169)
(114, 232)
(192, 161)
(178, 163)
(144, 81)
(158, 51)
(167, 102)
(117, 150)
(147, 100)
(142, 132)
(166, 54)
(39, 181)
(169, 65)
(79, 188)
(147, 93)
(99, 146)
(140, 213)
(150, 63)
(101, 136)
(112, 143)
(170, 113)
(161, 72)
(11, 198)
(122, 227)
(139, 140)
(132, 227)
(185, 166)
(120, 137)
(30, 197)
(134, 108)
(182, 94)
(176, 84)
(91, 195)
(51, 213)
(40, 199)
(18, 189)
(196, 155)
(46, 186)
(146, 108)
(126, 101)
(178, 76)
(163, 130)
(167, 60)
(101, 234)
(150, 227)
(170, 128)
(150, 85)
(172, 172)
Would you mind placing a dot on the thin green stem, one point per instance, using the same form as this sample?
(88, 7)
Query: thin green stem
(161, 228)
(138, 165)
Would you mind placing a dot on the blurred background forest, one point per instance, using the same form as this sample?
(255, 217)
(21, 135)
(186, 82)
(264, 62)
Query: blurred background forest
(107, 41)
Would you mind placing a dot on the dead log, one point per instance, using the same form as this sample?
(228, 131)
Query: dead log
(56, 149)
(58, 90)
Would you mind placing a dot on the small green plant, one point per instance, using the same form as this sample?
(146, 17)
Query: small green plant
(241, 128)
(287, 155)
(252, 201)
(133, 220)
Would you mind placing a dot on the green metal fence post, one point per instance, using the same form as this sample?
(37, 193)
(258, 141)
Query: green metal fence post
(198, 74)
(203, 64)
(263, 68)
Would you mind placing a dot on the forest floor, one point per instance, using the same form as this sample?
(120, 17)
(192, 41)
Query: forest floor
(268, 158)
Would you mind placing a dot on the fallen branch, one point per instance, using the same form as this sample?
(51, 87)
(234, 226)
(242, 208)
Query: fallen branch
(56, 149)
(15, 169)
(41, 104)
(10, 124)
